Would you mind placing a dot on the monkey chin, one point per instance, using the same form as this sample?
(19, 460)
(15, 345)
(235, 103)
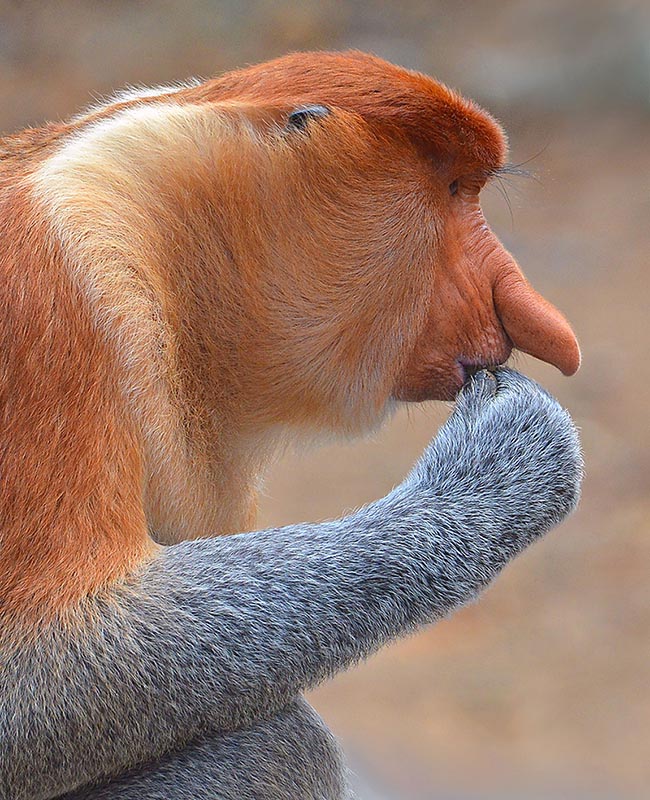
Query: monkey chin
(433, 384)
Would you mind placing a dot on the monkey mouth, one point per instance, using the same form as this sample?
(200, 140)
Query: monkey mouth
(493, 356)
(468, 368)
(441, 382)
(442, 378)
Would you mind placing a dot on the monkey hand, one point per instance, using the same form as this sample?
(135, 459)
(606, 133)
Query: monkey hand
(503, 470)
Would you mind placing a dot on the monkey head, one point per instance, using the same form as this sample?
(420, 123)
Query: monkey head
(374, 275)
(324, 240)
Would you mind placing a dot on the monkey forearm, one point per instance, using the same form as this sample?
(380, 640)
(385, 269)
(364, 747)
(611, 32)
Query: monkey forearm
(219, 632)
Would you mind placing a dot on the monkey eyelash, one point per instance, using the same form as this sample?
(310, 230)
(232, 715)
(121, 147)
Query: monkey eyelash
(496, 175)
(517, 170)
(510, 170)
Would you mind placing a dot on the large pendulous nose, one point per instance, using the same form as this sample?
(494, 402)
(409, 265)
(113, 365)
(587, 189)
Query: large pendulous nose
(534, 325)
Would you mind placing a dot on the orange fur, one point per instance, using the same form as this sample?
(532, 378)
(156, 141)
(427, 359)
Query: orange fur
(187, 283)
(71, 510)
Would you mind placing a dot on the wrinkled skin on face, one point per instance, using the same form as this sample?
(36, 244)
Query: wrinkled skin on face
(486, 307)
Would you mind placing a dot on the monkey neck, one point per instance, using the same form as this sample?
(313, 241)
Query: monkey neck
(119, 203)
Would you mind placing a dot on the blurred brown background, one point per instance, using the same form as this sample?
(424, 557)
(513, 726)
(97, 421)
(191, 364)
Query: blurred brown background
(543, 689)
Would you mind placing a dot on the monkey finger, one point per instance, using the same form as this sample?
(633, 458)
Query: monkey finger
(477, 390)
(509, 381)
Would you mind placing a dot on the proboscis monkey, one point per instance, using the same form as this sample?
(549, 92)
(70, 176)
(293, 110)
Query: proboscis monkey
(189, 277)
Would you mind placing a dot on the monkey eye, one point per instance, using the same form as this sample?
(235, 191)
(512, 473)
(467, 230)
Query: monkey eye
(453, 188)
(300, 117)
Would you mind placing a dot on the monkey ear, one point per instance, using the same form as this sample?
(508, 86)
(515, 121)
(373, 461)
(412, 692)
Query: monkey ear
(299, 118)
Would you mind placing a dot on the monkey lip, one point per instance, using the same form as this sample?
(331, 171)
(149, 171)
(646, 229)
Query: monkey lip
(444, 384)
(442, 377)
(469, 368)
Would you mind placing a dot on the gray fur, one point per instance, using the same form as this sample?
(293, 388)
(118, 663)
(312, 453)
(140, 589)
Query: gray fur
(211, 645)
(290, 755)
